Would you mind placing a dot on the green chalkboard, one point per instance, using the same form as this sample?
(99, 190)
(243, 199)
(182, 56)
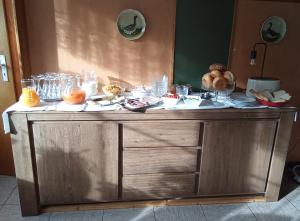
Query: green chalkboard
(203, 31)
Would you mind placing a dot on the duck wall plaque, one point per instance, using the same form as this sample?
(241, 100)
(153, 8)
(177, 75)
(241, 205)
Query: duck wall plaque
(273, 29)
(131, 24)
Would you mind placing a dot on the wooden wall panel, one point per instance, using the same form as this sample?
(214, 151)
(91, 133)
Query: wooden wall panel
(282, 60)
(7, 94)
(71, 35)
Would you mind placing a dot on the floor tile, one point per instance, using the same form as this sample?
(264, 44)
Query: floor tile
(178, 213)
(13, 213)
(135, 214)
(14, 198)
(226, 212)
(294, 198)
(7, 185)
(77, 216)
(282, 210)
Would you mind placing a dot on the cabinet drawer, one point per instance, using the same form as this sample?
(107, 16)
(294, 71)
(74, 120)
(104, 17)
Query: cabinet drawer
(159, 160)
(161, 134)
(155, 186)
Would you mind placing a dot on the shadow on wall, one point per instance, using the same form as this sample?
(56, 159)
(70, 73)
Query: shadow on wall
(85, 36)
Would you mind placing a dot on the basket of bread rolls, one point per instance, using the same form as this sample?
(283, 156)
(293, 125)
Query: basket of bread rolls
(219, 79)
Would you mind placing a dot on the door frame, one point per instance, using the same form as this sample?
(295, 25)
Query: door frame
(9, 7)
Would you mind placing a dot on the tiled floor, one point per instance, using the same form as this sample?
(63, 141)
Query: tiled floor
(287, 208)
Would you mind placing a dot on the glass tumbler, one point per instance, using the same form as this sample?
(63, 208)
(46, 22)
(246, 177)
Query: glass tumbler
(182, 90)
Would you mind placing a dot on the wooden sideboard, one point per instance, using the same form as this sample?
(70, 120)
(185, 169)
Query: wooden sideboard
(112, 158)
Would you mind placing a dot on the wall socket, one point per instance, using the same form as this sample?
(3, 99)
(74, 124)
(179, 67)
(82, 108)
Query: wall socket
(3, 68)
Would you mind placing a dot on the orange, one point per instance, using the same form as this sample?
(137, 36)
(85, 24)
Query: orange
(75, 97)
(29, 97)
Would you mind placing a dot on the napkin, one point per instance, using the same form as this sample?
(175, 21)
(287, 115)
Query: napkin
(19, 107)
(96, 107)
(62, 106)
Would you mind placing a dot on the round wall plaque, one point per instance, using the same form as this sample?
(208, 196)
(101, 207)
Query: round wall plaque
(273, 29)
(131, 24)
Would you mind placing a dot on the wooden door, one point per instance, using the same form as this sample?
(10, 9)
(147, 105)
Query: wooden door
(7, 97)
(77, 162)
(236, 156)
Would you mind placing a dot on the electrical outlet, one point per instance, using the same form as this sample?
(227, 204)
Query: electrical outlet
(3, 68)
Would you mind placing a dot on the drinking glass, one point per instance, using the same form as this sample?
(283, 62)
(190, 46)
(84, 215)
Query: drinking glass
(182, 90)
(27, 84)
(36, 82)
(160, 87)
(51, 86)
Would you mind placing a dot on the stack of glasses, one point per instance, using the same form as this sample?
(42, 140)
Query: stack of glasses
(51, 86)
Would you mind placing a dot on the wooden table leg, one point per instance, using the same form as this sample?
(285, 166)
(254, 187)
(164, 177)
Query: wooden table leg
(24, 166)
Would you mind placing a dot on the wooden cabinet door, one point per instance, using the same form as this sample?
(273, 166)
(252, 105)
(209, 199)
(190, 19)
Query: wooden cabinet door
(236, 156)
(77, 162)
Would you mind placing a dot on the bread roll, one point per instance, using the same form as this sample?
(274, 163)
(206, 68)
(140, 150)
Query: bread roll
(230, 77)
(220, 83)
(258, 95)
(216, 73)
(218, 67)
(207, 81)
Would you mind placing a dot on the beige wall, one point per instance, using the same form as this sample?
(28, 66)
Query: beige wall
(282, 61)
(71, 35)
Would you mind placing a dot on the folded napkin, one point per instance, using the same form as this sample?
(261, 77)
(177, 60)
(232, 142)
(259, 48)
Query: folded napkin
(196, 104)
(19, 107)
(62, 106)
(6, 123)
(96, 107)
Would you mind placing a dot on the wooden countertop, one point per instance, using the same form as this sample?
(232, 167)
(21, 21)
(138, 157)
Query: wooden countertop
(228, 113)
